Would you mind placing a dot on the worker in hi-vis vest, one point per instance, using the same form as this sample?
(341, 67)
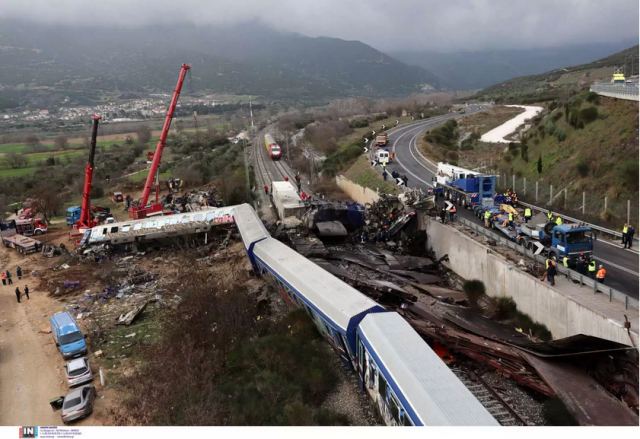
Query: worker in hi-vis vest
(487, 218)
(527, 214)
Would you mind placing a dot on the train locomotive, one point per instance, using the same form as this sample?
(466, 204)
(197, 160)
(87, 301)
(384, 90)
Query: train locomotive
(273, 149)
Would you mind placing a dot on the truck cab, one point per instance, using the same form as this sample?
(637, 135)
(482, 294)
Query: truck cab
(382, 139)
(30, 227)
(73, 215)
(571, 241)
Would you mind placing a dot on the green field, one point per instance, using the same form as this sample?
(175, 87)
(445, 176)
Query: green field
(10, 172)
(36, 158)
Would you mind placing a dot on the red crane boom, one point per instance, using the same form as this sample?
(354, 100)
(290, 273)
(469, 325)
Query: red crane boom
(86, 221)
(142, 210)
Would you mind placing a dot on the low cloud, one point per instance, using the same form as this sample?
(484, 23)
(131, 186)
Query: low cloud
(389, 25)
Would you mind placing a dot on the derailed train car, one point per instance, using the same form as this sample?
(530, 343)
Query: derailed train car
(157, 227)
(408, 382)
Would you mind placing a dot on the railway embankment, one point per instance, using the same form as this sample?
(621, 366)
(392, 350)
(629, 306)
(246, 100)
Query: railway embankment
(566, 309)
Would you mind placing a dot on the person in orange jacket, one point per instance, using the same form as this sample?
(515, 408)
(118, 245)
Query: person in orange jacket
(601, 274)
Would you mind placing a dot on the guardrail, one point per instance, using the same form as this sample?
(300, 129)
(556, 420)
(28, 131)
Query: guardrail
(577, 221)
(620, 91)
(596, 287)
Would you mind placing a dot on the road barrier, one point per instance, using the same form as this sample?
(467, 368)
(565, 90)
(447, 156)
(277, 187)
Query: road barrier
(596, 287)
(619, 91)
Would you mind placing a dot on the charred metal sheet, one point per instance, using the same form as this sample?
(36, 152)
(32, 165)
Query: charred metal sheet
(430, 322)
(566, 347)
(589, 402)
(423, 278)
(443, 293)
(331, 228)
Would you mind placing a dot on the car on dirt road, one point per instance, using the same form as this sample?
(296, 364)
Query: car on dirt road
(78, 372)
(78, 403)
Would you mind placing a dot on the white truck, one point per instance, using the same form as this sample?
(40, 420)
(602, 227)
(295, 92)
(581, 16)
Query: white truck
(287, 201)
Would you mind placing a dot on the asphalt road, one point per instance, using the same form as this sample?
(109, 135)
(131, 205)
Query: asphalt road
(621, 264)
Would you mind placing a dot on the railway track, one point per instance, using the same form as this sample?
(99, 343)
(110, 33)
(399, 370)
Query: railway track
(499, 406)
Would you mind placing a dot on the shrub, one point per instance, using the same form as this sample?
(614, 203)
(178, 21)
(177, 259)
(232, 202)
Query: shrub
(474, 289)
(524, 152)
(359, 123)
(593, 98)
(629, 174)
(588, 114)
(582, 167)
(341, 159)
(560, 134)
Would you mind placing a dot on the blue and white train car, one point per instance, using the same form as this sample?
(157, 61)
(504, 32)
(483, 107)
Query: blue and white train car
(335, 307)
(409, 383)
(251, 228)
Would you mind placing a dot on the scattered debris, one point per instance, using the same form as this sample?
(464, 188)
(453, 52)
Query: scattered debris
(128, 318)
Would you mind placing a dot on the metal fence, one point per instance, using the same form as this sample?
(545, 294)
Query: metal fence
(620, 91)
(596, 287)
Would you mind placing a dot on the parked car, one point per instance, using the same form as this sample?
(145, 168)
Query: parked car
(78, 372)
(78, 403)
(67, 335)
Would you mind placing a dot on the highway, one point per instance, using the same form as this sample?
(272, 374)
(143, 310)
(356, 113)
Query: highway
(621, 264)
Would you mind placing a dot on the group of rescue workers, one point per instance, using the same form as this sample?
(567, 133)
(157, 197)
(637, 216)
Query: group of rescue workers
(584, 264)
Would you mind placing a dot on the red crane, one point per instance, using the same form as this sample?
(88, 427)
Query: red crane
(142, 209)
(86, 221)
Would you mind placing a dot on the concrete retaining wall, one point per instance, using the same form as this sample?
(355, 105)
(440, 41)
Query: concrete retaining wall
(562, 315)
(360, 194)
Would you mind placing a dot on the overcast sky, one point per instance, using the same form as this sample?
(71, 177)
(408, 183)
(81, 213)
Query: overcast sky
(445, 25)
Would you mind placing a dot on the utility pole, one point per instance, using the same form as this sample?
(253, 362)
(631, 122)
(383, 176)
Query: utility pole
(251, 115)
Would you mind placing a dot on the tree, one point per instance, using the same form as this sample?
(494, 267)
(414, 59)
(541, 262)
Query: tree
(47, 200)
(524, 152)
(144, 134)
(61, 142)
(16, 160)
(32, 140)
(3, 205)
(539, 164)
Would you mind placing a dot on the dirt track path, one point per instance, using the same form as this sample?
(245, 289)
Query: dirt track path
(30, 367)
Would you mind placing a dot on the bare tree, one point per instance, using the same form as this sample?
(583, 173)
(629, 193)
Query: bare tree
(47, 200)
(144, 134)
(32, 140)
(61, 142)
(16, 160)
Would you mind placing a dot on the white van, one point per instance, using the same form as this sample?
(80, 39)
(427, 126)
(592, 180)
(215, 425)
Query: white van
(382, 157)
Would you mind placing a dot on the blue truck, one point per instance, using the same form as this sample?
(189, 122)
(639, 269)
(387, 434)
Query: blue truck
(548, 239)
(100, 213)
(464, 187)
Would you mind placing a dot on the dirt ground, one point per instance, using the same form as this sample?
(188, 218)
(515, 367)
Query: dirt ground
(31, 368)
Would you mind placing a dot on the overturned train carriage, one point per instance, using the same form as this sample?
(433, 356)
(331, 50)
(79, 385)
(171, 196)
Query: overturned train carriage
(156, 228)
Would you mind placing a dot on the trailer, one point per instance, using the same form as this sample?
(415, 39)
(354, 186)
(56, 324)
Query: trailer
(286, 200)
(23, 244)
(464, 187)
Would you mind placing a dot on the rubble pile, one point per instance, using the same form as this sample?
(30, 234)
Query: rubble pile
(192, 201)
